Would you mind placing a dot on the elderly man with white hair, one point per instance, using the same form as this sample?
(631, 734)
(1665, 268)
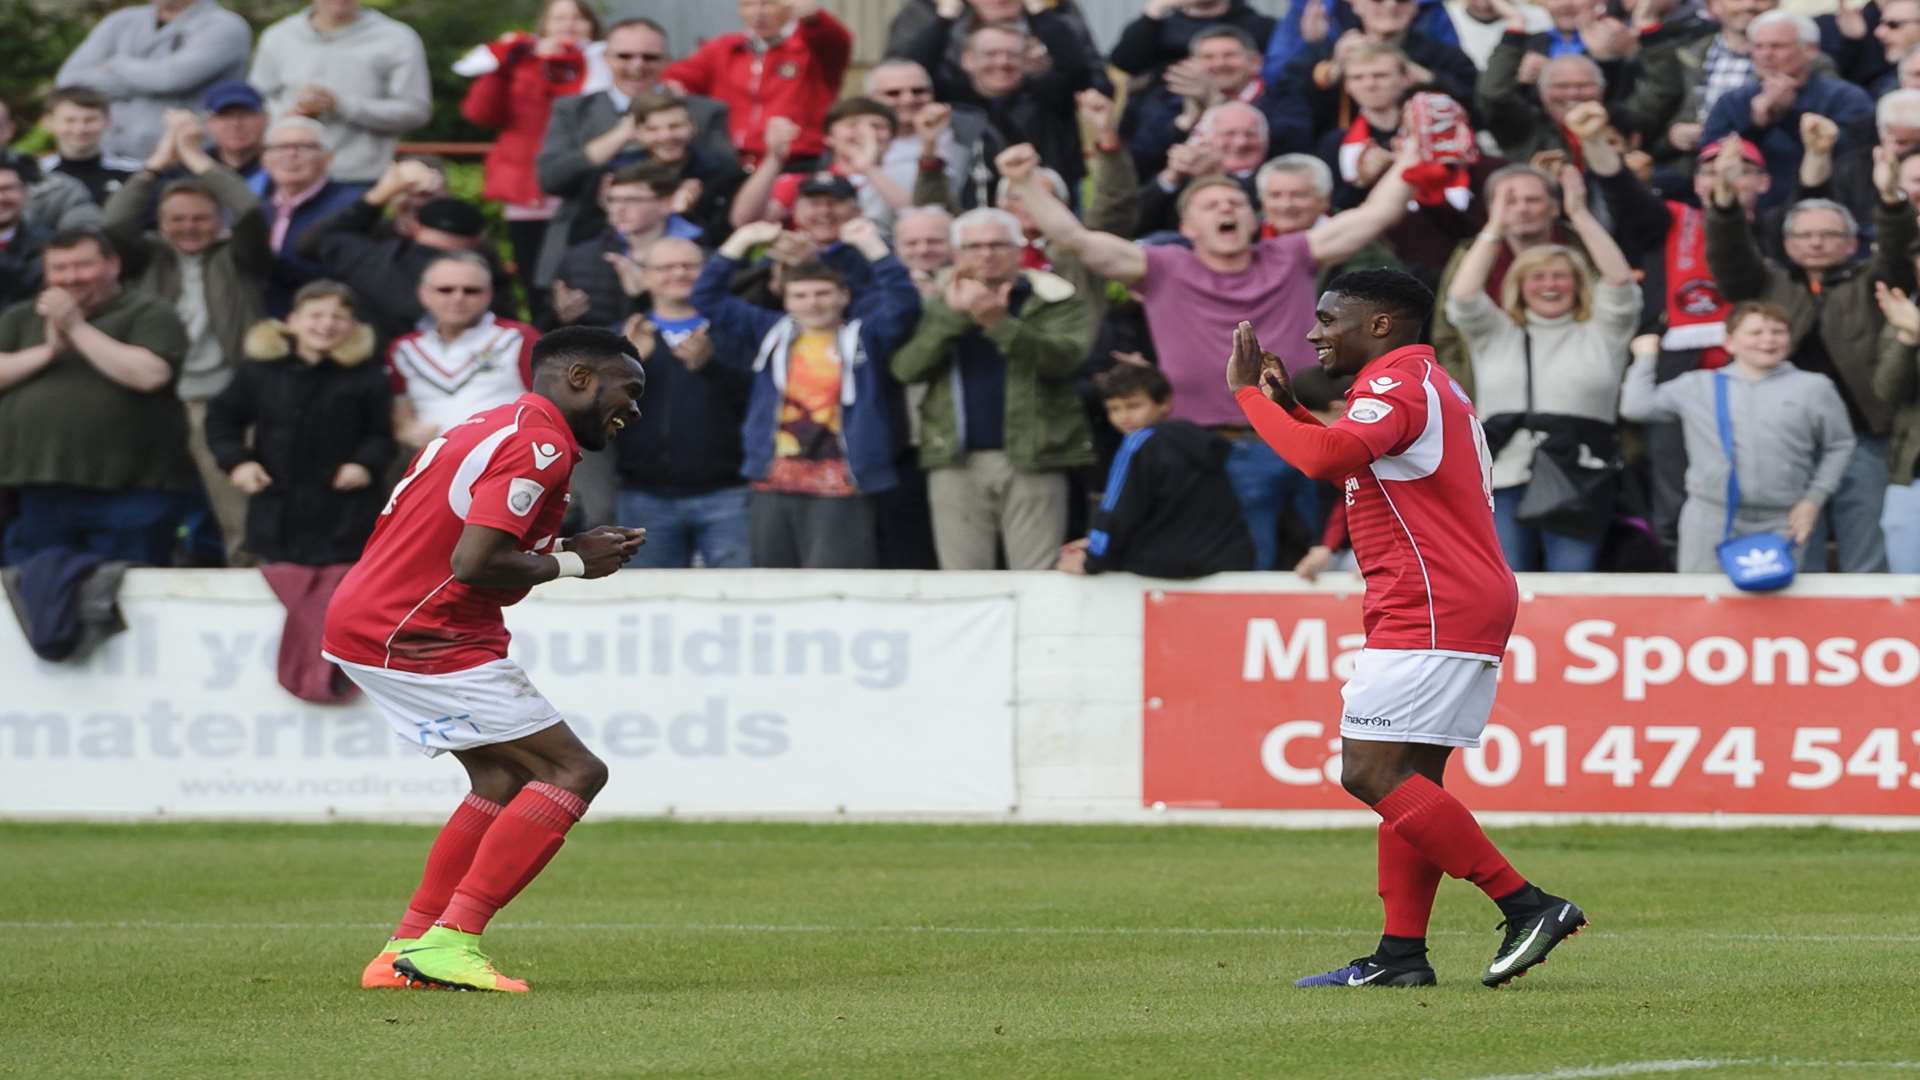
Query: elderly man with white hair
(1767, 111)
(1527, 119)
(1230, 140)
(999, 349)
(296, 194)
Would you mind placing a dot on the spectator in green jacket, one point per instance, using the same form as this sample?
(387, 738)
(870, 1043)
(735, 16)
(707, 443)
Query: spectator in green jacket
(999, 348)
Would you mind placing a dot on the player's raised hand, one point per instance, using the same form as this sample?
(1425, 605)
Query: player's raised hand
(606, 549)
(1243, 362)
(1275, 382)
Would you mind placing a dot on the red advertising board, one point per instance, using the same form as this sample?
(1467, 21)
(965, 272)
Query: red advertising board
(1607, 704)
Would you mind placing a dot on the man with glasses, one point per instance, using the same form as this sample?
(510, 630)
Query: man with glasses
(679, 463)
(464, 359)
(1836, 326)
(1000, 350)
(927, 140)
(296, 194)
(359, 72)
(591, 134)
(598, 275)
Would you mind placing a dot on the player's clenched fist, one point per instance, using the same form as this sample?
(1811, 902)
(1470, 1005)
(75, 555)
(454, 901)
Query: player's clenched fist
(606, 549)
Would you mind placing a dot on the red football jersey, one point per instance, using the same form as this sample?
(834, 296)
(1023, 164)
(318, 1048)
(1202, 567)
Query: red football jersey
(399, 607)
(1421, 515)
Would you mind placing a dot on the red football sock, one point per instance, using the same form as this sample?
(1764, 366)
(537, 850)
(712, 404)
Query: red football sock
(1440, 827)
(1408, 882)
(512, 854)
(447, 863)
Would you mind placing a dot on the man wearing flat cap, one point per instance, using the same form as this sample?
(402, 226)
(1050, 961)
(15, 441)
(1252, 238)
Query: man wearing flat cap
(384, 265)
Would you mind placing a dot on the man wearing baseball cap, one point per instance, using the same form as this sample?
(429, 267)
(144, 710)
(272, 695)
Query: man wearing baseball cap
(236, 125)
(1666, 240)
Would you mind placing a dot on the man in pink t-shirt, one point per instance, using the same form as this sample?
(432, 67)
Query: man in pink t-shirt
(1194, 297)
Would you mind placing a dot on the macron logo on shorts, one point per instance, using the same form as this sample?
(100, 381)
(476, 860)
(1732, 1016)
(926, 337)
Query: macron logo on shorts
(523, 494)
(1366, 721)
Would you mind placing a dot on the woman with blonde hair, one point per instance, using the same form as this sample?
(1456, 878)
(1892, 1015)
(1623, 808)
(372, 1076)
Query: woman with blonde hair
(1547, 365)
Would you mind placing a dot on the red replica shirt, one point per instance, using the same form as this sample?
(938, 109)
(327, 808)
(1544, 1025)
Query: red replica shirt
(1420, 509)
(399, 607)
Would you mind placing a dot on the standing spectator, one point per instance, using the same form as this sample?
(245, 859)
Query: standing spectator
(90, 430)
(149, 58)
(305, 430)
(1168, 509)
(237, 127)
(1527, 120)
(1309, 25)
(590, 286)
(859, 130)
(1199, 294)
(679, 463)
(296, 194)
(705, 183)
(1767, 111)
(1547, 363)
(1699, 72)
(924, 138)
(1791, 437)
(1896, 379)
(211, 280)
(20, 242)
(1836, 325)
(1295, 192)
(1000, 349)
(915, 16)
(361, 73)
(1224, 67)
(77, 117)
(1481, 24)
(384, 266)
(1229, 140)
(1314, 77)
(922, 237)
(464, 359)
(1166, 30)
(55, 201)
(514, 96)
(818, 443)
(589, 132)
(788, 61)
(1019, 105)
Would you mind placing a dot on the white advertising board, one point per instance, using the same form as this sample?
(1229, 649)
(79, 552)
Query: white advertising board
(698, 705)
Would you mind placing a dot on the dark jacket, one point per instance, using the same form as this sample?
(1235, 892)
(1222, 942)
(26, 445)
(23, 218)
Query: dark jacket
(1453, 75)
(1042, 110)
(307, 421)
(1840, 101)
(292, 268)
(384, 268)
(750, 337)
(235, 265)
(1845, 310)
(585, 267)
(915, 16)
(1157, 130)
(20, 276)
(1432, 23)
(687, 440)
(1148, 45)
(1169, 510)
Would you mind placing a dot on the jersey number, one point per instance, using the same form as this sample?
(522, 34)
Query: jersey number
(426, 457)
(1486, 459)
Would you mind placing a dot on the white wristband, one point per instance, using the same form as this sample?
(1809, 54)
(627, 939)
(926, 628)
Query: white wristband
(571, 564)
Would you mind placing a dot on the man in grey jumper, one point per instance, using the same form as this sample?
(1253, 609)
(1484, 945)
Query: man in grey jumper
(153, 57)
(360, 73)
(1792, 437)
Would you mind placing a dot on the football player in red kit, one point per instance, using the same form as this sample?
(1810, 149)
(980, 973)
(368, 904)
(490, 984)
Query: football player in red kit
(1412, 464)
(417, 625)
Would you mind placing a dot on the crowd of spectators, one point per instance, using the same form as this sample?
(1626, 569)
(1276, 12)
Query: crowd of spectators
(968, 307)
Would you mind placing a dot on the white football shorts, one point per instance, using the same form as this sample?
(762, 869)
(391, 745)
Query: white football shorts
(481, 706)
(1398, 695)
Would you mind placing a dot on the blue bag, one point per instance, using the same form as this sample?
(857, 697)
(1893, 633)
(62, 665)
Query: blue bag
(1760, 562)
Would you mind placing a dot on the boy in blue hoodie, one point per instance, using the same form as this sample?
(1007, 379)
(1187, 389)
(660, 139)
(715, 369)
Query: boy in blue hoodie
(818, 440)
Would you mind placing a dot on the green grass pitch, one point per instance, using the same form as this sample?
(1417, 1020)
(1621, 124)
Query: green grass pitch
(777, 950)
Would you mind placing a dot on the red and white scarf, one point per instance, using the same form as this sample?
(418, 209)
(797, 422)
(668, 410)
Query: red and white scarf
(1696, 309)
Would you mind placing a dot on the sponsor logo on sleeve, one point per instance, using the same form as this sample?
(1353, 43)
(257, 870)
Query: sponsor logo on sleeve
(1382, 384)
(523, 495)
(545, 454)
(1368, 410)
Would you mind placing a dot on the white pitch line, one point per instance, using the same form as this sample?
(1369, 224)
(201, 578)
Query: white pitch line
(1678, 1065)
(1035, 931)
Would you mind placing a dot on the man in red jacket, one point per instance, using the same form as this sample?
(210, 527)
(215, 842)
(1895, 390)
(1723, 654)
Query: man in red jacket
(788, 62)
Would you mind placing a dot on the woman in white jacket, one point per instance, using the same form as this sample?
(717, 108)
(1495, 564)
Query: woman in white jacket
(1547, 361)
